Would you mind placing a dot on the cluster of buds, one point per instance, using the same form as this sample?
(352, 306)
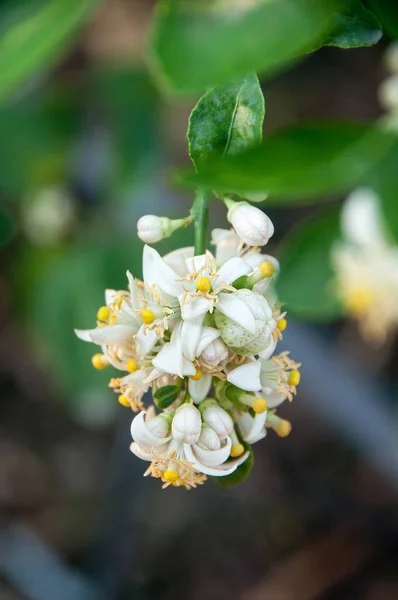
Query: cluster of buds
(201, 331)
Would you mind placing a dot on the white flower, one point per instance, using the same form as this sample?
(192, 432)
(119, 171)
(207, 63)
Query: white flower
(391, 57)
(251, 428)
(151, 433)
(366, 267)
(187, 423)
(250, 223)
(152, 229)
(217, 418)
(388, 93)
(250, 331)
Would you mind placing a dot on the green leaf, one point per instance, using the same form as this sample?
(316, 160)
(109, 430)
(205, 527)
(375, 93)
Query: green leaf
(305, 282)
(199, 43)
(34, 35)
(226, 120)
(301, 161)
(387, 13)
(6, 226)
(354, 28)
(241, 473)
(166, 395)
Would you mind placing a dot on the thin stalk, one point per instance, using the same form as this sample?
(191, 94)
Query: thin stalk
(199, 213)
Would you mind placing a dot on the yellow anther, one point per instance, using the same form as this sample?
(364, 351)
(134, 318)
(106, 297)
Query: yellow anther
(203, 284)
(99, 361)
(358, 300)
(131, 365)
(259, 406)
(267, 269)
(198, 375)
(171, 476)
(284, 428)
(237, 450)
(103, 313)
(124, 401)
(147, 316)
(294, 377)
(282, 324)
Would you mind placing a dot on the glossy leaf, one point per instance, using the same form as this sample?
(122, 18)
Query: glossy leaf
(226, 120)
(305, 282)
(241, 473)
(387, 13)
(166, 395)
(301, 161)
(34, 35)
(199, 43)
(354, 27)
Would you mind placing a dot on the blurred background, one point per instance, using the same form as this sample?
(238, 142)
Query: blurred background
(86, 148)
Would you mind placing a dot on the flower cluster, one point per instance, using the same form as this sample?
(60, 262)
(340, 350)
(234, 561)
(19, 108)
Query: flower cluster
(201, 331)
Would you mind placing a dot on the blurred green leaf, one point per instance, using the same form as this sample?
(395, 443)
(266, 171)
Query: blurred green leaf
(387, 13)
(6, 226)
(354, 27)
(241, 473)
(226, 120)
(384, 181)
(198, 43)
(301, 161)
(305, 283)
(34, 35)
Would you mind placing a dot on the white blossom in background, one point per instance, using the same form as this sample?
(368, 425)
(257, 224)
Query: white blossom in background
(200, 332)
(48, 216)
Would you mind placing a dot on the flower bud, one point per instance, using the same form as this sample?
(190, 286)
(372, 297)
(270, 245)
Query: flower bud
(160, 425)
(217, 418)
(215, 352)
(388, 93)
(208, 439)
(391, 57)
(152, 229)
(240, 340)
(250, 223)
(187, 423)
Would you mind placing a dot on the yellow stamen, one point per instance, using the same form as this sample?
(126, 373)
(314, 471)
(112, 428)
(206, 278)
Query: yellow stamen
(171, 476)
(198, 375)
(237, 450)
(259, 406)
(99, 361)
(103, 313)
(147, 316)
(131, 366)
(358, 300)
(123, 401)
(203, 284)
(267, 269)
(282, 324)
(284, 428)
(294, 377)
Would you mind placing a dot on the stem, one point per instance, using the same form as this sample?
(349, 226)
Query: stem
(199, 213)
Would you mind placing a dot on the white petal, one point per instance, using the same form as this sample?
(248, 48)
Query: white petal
(274, 399)
(208, 335)
(268, 351)
(195, 307)
(360, 219)
(190, 335)
(196, 263)
(252, 428)
(110, 296)
(227, 244)
(112, 334)
(188, 368)
(199, 390)
(157, 272)
(146, 339)
(231, 270)
(220, 471)
(176, 259)
(233, 307)
(247, 376)
(84, 334)
(169, 360)
(133, 290)
(143, 435)
(213, 458)
(146, 454)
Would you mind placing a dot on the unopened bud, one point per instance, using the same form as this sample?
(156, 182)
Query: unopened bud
(388, 93)
(250, 223)
(187, 423)
(217, 418)
(152, 228)
(208, 439)
(215, 352)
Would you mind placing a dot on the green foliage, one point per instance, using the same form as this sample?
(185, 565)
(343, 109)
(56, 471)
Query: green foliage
(226, 120)
(305, 283)
(241, 473)
(387, 13)
(301, 161)
(199, 43)
(6, 226)
(166, 395)
(34, 35)
(354, 27)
